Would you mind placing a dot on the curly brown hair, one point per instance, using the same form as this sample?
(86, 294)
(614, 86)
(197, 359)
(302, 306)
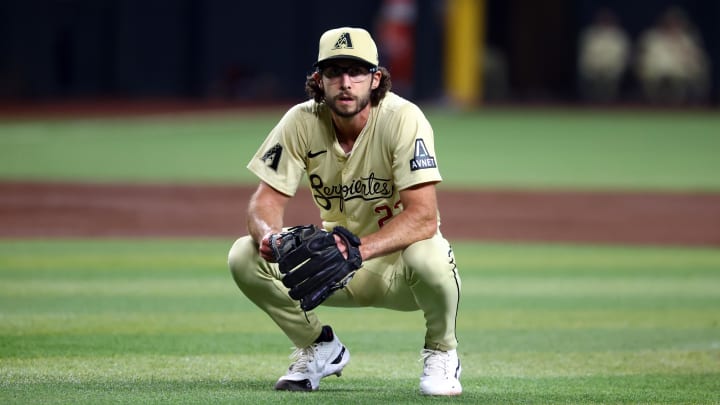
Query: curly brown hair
(316, 93)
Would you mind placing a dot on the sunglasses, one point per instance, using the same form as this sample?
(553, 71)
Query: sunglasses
(356, 73)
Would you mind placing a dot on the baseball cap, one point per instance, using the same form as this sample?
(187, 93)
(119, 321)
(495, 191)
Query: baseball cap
(347, 43)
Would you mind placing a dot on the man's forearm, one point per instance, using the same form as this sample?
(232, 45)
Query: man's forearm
(265, 213)
(406, 228)
(263, 220)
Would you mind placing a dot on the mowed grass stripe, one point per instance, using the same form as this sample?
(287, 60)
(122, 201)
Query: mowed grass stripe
(96, 257)
(587, 340)
(582, 258)
(513, 286)
(98, 263)
(167, 249)
(595, 287)
(265, 366)
(159, 287)
(543, 319)
(88, 259)
(232, 320)
(237, 321)
(628, 389)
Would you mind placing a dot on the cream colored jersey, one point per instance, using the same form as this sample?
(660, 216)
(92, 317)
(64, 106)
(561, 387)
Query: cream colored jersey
(359, 191)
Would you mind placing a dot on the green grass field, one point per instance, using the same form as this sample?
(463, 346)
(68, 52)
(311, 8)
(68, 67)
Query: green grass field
(506, 149)
(160, 321)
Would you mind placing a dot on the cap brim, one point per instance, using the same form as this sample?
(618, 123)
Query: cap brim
(316, 64)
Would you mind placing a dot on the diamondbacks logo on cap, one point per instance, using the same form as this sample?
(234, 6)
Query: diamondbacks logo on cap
(344, 42)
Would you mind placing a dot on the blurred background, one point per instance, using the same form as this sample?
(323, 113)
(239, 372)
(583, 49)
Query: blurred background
(466, 52)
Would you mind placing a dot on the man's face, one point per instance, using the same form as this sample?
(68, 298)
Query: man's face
(347, 85)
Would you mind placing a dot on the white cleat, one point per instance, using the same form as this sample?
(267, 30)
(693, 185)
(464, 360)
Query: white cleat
(313, 363)
(441, 373)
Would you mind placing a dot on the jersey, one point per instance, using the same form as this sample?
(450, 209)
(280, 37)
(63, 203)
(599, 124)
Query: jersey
(359, 190)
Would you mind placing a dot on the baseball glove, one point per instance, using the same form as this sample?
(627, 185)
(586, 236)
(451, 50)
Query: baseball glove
(312, 264)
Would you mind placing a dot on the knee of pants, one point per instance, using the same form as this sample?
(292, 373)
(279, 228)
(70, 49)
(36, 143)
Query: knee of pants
(429, 261)
(243, 260)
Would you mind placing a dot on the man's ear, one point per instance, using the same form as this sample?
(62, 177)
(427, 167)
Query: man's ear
(376, 80)
(318, 79)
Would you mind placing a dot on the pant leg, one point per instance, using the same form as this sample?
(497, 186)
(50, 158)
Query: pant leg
(373, 286)
(260, 282)
(432, 276)
(424, 276)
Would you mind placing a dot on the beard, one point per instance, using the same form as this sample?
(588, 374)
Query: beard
(360, 104)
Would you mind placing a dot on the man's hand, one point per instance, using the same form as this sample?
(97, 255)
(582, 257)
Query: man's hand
(266, 251)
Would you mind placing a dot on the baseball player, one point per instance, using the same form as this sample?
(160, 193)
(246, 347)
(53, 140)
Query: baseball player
(370, 160)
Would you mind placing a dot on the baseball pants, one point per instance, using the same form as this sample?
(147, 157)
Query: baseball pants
(421, 277)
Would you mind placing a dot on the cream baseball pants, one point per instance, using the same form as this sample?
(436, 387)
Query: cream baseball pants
(421, 277)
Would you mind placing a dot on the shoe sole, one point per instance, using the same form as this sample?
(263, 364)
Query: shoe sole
(290, 385)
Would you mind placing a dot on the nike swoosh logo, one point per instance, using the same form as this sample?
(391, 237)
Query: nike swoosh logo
(338, 359)
(312, 154)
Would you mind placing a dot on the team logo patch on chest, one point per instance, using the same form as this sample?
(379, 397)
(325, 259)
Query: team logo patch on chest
(422, 158)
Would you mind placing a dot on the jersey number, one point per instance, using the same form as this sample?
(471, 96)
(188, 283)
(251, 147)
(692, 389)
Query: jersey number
(387, 211)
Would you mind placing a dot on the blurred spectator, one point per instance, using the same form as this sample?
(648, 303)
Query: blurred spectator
(604, 55)
(496, 85)
(396, 33)
(671, 62)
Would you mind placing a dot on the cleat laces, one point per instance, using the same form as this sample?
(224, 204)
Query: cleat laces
(436, 363)
(301, 357)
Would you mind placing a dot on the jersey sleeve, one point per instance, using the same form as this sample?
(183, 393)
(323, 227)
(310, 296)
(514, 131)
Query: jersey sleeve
(279, 162)
(414, 158)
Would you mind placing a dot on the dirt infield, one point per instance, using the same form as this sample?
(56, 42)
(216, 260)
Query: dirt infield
(41, 210)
